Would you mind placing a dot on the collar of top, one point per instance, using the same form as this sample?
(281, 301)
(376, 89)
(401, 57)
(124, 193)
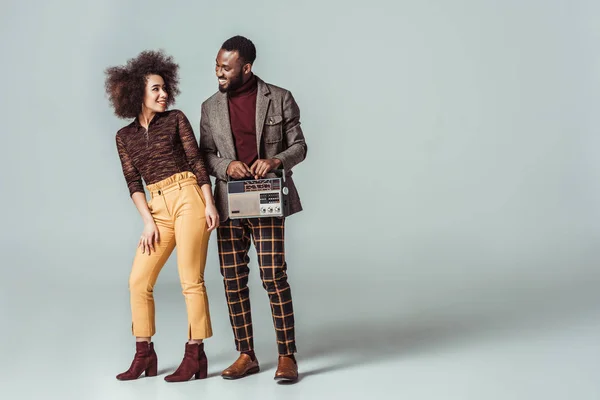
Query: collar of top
(153, 121)
(246, 88)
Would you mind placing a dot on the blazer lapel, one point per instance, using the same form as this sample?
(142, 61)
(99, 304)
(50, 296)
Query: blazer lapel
(226, 135)
(262, 106)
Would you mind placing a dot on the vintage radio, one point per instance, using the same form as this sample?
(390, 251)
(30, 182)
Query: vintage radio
(257, 198)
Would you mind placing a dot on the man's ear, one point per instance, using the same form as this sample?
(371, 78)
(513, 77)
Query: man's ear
(247, 68)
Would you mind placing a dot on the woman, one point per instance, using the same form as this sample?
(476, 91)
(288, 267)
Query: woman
(160, 147)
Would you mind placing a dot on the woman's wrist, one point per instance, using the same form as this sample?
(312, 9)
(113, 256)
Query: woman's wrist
(208, 196)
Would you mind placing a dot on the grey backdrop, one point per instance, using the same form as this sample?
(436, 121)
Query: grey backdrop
(450, 188)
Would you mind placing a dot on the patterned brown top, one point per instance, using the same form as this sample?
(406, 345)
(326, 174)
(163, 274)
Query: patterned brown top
(168, 147)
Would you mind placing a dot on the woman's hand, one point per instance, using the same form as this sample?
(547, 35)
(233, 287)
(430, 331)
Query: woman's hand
(150, 234)
(212, 216)
(210, 210)
(149, 237)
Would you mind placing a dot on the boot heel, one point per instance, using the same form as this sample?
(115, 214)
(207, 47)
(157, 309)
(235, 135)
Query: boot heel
(203, 371)
(152, 369)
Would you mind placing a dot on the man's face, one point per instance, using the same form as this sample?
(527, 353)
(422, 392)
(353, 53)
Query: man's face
(231, 71)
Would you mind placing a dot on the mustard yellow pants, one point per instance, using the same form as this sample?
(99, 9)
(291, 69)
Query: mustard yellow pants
(177, 206)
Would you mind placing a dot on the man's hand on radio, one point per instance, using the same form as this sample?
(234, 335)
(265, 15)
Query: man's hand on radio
(261, 167)
(238, 170)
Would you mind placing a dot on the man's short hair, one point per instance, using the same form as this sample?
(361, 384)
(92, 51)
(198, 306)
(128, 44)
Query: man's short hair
(243, 46)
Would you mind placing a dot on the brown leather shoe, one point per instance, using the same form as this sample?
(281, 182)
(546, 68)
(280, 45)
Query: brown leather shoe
(242, 367)
(287, 369)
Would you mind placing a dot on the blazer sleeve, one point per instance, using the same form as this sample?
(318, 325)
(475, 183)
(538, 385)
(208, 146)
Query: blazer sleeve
(293, 137)
(216, 166)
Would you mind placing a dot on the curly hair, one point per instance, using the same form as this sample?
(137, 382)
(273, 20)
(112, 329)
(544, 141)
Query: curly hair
(126, 84)
(243, 46)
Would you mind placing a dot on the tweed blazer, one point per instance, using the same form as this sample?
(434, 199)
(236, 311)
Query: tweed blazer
(278, 135)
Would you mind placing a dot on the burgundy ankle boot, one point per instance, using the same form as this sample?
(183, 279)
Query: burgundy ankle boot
(194, 363)
(145, 360)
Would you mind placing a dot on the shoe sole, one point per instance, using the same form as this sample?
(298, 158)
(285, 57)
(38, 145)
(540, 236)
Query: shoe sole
(281, 379)
(251, 371)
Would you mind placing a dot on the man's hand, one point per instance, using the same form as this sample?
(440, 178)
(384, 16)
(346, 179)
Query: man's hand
(238, 170)
(261, 167)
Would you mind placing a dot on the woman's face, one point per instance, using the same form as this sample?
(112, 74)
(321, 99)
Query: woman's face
(155, 96)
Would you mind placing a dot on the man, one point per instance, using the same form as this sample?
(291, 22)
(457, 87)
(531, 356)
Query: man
(248, 129)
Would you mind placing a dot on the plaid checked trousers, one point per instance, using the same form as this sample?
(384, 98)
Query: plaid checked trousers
(234, 237)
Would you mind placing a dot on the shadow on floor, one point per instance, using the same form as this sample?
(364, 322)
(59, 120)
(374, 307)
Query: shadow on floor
(366, 339)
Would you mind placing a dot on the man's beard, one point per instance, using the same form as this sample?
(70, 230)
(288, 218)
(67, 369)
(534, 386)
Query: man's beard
(234, 84)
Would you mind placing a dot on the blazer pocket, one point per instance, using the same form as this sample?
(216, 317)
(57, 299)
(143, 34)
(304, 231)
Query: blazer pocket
(272, 132)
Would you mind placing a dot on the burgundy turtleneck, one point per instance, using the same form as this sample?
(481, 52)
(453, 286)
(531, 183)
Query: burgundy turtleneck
(242, 117)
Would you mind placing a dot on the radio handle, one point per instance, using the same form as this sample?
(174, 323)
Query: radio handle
(279, 172)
